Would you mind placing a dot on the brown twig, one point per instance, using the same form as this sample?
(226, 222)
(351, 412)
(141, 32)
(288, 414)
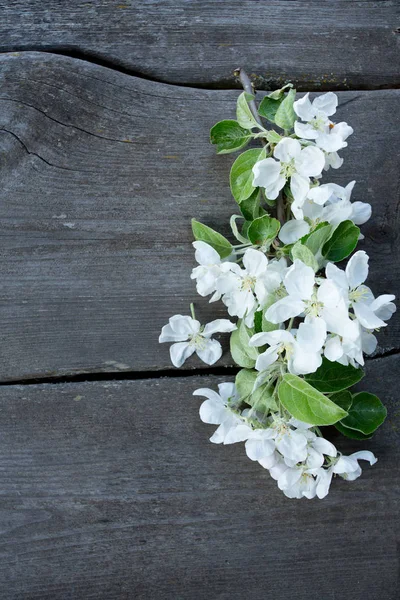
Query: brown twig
(249, 89)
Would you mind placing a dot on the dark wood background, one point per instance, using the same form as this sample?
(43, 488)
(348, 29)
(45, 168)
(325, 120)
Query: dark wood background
(109, 488)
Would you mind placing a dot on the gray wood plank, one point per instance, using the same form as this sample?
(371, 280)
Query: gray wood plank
(112, 490)
(320, 45)
(100, 174)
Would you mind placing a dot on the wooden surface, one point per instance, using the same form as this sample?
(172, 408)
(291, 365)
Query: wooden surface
(112, 491)
(109, 487)
(91, 159)
(319, 45)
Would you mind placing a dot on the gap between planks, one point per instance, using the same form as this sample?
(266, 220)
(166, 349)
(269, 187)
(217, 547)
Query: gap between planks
(219, 371)
(91, 58)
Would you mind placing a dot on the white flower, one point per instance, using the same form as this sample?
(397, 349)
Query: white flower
(215, 410)
(299, 283)
(371, 312)
(298, 482)
(189, 337)
(245, 289)
(292, 162)
(303, 352)
(318, 126)
(260, 444)
(209, 269)
(293, 230)
(346, 467)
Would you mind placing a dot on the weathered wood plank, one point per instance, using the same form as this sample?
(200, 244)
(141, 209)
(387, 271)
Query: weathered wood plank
(319, 45)
(100, 174)
(112, 490)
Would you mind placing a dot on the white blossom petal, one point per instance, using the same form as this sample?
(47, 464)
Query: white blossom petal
(218, 326)
(299, 186)
(287, 149)
(326, 103)
(255, 262)
(284, 309)
(180, 352)
(267, 175)
(310, 162)
(299, 280)
(205, 254)
(293, 230)
(357, 269)
(303, 108)
(211, 352)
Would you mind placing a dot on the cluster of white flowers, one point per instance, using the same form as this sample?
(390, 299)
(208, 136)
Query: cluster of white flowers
(297, 311)
(339, 312)
(301, 461)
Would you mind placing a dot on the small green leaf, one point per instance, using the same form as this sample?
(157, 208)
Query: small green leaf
(344, 399)
(276, 94)
(241, 176)
(268, 108)
(305, 255)
(285, 115)
(273, 137)
(243, 113)
(366, 413)
(238, 353)
(342, 242)
(307, 404)
(250, 208)
(334, 377)
(351, 433)
(228, 136)
(316, 239)
(262, 399)
(263, 230)
(240, 238)
(204, 233)
(245, 333)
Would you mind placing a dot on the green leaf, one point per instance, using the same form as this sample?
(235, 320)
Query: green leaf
(267, 325)
(305, 255)
(273, 137)
(243, 113)
(263, 230)
(245, 333)
(268, 108)
(366, 413)
(307, 404)
(344, 399)
(250, 208)
(235, 231)
(238, 353)
(228, 136)
(285, 115)
(262, 398)
(241, 176)
(204, 233)
(334, 377)
(342, 241)
(245, 381)
(258, 316)
(276, 94)
(351, 433)
(316, 239)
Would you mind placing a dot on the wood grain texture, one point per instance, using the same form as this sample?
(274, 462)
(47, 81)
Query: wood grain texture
(113, 491)
(101, 173)
(318, 45)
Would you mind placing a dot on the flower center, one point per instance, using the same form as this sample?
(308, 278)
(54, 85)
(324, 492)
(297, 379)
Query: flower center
(318, 123)
(314, 306)
(288, 169)
(358, 294)
(198, 341)
(248, 283)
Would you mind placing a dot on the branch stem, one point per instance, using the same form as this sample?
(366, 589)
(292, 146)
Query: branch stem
(249, 89)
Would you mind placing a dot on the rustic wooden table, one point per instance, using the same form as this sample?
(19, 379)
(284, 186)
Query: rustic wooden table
(109, 488)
